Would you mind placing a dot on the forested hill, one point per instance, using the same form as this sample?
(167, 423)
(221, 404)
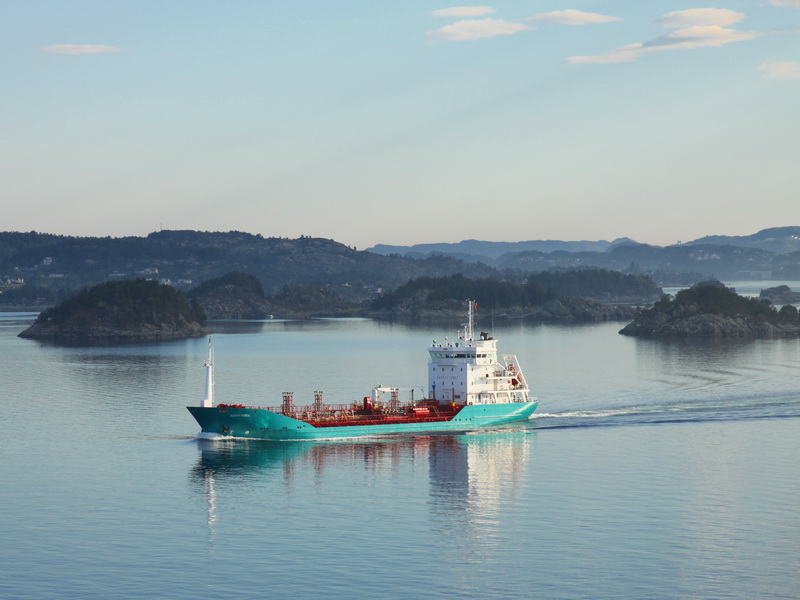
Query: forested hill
(44, 268)
(547, 297)
(41, 269)
(188, 258)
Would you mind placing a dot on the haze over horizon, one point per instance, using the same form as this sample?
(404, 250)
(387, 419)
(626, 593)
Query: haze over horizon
(402, 123)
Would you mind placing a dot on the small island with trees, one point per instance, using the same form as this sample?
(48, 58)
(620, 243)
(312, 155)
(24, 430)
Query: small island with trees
(238, 295)
(709, 309)
(141, 309)
(544, 298)
(135, 309)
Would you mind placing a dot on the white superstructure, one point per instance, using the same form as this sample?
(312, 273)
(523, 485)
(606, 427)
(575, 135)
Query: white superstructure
(468, 371)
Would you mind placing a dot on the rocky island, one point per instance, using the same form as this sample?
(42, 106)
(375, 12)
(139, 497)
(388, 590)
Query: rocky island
(710, 309)
(781, 294)
(121, 310)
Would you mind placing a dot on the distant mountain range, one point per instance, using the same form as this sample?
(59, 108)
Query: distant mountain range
(780, 240)
(770, 253)
(472, 250)
(42, 268)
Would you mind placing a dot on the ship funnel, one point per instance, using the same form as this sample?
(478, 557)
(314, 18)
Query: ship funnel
(208, 399)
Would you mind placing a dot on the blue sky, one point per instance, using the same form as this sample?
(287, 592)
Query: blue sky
(401, 122)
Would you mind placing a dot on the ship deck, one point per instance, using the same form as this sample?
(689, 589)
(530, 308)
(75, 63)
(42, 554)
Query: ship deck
(426, 411)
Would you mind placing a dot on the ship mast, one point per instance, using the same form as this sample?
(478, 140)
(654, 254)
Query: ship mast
(469, 331)
(208, 399)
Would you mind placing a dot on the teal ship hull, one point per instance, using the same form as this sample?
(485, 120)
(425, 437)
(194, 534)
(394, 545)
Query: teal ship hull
(470, 387)
(260, 423)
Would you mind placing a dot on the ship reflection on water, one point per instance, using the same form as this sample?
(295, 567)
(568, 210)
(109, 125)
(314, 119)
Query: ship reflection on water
(470, 476)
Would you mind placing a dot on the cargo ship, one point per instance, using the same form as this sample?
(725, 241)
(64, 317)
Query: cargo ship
(470, 386)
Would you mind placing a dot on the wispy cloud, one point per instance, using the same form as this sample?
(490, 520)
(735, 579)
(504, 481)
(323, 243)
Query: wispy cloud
(573, 17)
(794, 3)
(698, 28)
(76, 49)
(464, 11)
(781, 70)
(699, 16)
(476, 29)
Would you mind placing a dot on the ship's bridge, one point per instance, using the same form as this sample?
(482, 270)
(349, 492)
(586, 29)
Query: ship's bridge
(470, 351)
(468, 371)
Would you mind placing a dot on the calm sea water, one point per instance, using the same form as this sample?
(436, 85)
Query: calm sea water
(652, 470)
